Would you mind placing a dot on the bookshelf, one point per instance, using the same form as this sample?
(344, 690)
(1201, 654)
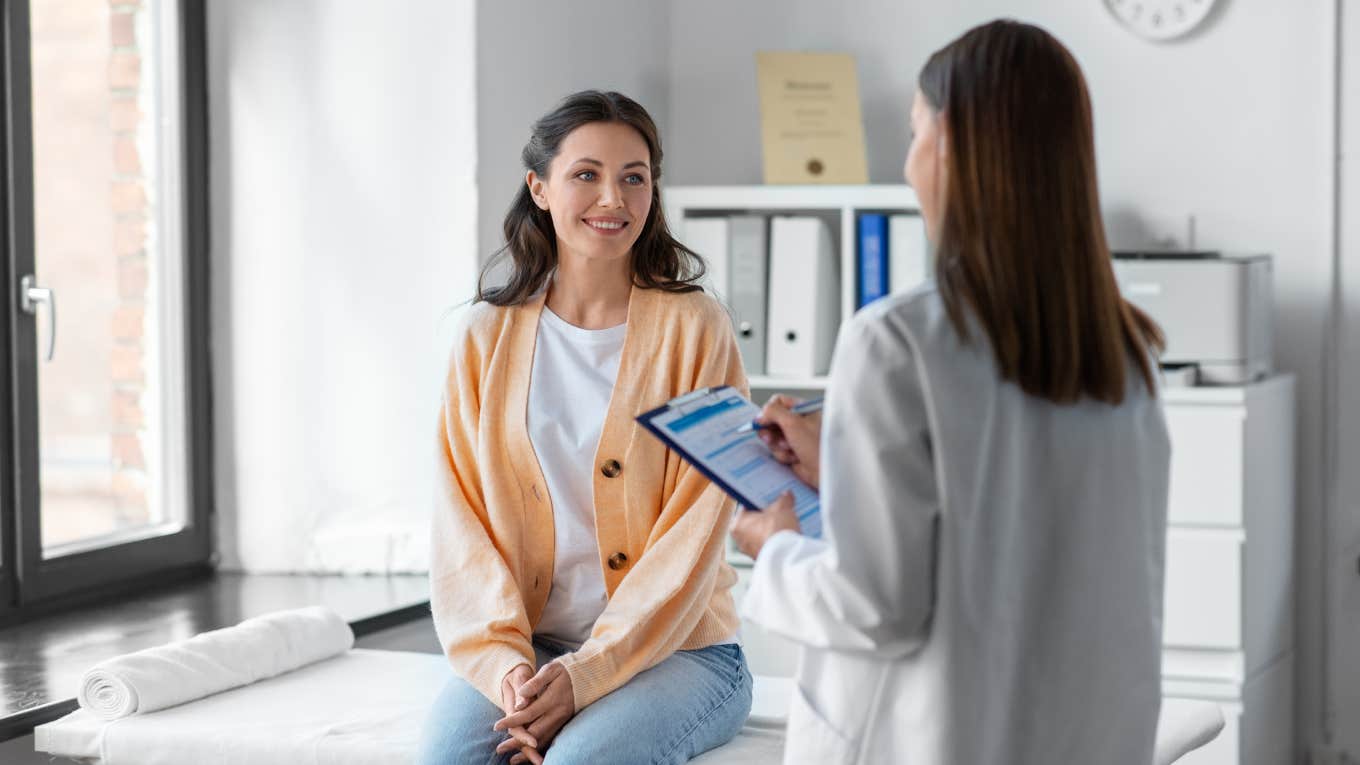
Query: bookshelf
(838, 206)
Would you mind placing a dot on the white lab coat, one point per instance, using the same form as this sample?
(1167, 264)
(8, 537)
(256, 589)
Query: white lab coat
(989, 587)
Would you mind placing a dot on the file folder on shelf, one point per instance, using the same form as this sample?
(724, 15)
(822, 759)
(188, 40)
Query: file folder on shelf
(709, 238)
(873, 257)
(908, 252)
(748, 277)
(804, 297)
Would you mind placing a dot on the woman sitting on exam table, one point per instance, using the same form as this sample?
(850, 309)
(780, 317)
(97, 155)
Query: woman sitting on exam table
(993, 462)
(578, 578)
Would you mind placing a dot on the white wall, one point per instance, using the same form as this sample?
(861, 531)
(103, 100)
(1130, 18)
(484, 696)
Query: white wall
(352, 150)
(1231, 126)
(343, 155)
(531, 54)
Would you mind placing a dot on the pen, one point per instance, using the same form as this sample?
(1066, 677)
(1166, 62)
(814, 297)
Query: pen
(807, 407)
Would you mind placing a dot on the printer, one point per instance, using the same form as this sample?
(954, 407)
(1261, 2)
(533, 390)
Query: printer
(1215, 310)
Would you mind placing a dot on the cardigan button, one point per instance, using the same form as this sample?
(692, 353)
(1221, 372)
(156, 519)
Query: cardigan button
(617, 561)
(611, 468)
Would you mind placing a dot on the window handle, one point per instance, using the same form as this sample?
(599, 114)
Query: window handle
(30, 297)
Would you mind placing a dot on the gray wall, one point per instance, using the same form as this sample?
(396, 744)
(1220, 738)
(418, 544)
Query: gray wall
(1232, 126)
(343, 219)
(531, 54)
(1344, 601)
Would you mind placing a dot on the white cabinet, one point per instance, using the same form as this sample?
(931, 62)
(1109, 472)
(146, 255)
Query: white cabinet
(1206, 463)
(1228, 615)
(1203, 603)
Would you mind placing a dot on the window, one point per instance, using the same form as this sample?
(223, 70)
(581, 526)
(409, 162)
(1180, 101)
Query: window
(106, 334)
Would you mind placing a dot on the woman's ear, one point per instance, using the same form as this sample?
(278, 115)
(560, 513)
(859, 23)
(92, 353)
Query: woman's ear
(535, 185)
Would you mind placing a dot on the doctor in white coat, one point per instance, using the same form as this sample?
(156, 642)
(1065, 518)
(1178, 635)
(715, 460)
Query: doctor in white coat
(993, 463)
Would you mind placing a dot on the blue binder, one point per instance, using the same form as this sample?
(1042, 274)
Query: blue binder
(873, 258)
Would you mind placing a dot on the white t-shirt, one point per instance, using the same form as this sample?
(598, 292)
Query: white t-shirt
(570, 384)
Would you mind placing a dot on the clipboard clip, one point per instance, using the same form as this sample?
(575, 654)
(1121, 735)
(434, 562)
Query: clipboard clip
(683, 403)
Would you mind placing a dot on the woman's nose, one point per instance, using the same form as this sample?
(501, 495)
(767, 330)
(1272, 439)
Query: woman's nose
(611, 196)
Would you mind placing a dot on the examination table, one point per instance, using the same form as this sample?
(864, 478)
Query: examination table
(366, 708)
(354, 707)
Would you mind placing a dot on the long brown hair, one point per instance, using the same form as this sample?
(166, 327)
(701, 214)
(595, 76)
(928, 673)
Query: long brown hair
(1021, 243)
(659, 261)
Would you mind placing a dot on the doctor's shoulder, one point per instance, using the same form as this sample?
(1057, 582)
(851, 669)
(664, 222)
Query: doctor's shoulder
(918, 314)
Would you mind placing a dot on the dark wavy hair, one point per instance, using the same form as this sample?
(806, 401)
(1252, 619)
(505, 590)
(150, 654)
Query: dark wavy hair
(1021, 242)
(659, 261)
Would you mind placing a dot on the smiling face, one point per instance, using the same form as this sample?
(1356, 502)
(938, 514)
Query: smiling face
(598, 191)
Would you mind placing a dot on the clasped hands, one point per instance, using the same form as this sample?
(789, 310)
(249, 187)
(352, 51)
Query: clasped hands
(537, 706)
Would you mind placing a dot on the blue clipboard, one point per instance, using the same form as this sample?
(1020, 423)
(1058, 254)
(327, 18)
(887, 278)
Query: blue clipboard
(701, 427)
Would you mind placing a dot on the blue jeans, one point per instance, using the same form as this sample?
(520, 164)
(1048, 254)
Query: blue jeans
(691, 702)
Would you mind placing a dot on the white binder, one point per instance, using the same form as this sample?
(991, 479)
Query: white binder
(747, 280)
(709, 238)
(908, 252)
(805, 303)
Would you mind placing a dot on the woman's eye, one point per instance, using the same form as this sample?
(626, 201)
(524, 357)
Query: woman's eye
(586, 175)
(635, 179)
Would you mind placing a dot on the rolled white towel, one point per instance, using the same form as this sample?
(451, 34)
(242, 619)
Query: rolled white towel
(175, 673)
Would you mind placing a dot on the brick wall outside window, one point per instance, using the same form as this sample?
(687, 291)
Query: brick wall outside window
(95, 193)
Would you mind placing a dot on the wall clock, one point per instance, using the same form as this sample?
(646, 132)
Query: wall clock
(1160, 19)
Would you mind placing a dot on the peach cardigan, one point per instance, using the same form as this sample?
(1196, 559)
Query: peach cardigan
(659, 523)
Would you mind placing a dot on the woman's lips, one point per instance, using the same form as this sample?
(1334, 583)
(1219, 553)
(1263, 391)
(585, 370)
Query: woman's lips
(606, 226)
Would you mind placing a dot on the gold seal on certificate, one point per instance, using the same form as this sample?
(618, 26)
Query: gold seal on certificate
(810, 123)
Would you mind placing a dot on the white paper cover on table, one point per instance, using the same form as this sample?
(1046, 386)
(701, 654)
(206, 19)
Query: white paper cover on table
(318, 716)
(255, 649)
(313, 716)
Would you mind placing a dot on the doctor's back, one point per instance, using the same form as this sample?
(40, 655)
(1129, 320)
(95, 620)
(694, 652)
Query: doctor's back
(994, 466)
(1041, 640)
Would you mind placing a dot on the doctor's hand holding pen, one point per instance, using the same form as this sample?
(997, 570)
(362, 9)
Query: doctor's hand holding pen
(795, 440)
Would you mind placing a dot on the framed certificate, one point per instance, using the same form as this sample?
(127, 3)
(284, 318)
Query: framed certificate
(812, 130)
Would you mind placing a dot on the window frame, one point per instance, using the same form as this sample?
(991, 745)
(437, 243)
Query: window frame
(30, 583)
(8, 529)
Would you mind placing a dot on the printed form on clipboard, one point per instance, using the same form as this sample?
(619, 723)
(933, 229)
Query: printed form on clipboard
(702, 428)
